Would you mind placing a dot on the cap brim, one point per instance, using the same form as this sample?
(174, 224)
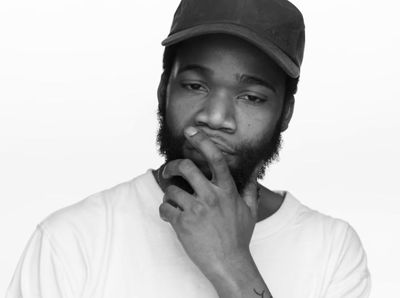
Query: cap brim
(266, 46)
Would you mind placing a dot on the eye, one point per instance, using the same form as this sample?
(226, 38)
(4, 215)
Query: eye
(253, 99)
(194, 86)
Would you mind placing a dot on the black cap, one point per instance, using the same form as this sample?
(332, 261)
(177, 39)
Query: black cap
(274, 26)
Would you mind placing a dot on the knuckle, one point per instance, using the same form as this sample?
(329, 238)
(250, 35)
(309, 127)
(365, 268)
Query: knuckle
(165, 197)
(184, 222)
(163, 210)
(212, 201)
(185, 165)
(167, 168)
(170, 191)
(217, 158)
(171, 166)
(166, 214)
(198, 208)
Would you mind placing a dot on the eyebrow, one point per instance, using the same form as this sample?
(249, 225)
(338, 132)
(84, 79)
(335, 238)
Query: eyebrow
(195, 67)
(247, 79)
(242, 78)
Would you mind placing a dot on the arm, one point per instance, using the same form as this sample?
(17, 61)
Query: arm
(215, 224)
(242, 279)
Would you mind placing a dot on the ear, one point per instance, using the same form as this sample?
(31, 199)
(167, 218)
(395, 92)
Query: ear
(287, 113)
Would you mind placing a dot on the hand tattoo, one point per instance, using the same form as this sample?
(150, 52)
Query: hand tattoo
(260, 294)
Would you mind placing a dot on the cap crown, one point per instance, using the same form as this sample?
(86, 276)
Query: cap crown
(276, 22)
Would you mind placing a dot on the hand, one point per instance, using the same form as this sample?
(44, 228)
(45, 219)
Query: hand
(215, 224)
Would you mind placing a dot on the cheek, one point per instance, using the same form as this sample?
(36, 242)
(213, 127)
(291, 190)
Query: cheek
(179, 113)
(257, 125)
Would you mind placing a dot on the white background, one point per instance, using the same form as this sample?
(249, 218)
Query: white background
(78, 105)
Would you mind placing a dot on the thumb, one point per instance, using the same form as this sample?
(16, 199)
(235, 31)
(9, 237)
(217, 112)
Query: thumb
(250, 193)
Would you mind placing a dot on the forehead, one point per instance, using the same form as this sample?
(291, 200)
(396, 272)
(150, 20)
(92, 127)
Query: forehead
(228, 55)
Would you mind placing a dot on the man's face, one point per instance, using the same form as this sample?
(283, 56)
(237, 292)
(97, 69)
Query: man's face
(232, 92)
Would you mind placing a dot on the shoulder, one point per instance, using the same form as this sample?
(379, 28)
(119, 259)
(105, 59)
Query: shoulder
(87, 209)
(336, 234)
(93, 214)
(313, 230)
(68, 248)
(319, 222)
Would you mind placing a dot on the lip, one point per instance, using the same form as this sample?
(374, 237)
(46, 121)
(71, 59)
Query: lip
(220, 145)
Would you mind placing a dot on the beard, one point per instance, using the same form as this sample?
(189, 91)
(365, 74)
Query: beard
(249, 156)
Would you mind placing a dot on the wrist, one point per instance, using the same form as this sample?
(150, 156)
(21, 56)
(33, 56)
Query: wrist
(236, 276)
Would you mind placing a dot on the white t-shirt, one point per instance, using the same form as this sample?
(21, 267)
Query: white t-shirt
(114, 244)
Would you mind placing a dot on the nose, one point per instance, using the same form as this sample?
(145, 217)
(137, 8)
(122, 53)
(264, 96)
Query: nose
(218, 112)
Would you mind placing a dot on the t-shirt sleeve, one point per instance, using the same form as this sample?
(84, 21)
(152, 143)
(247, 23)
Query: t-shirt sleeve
(40, 271)
(351, 278)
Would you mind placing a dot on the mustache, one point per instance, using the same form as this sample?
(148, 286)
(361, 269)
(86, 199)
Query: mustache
(219, 142)
(248, 156)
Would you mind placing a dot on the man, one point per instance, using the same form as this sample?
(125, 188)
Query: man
(227, 92)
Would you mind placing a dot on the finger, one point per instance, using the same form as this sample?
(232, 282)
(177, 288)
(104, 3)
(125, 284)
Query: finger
(214, 156)
(190, 172)
(250, 193)
(180, 197)
(169, 213)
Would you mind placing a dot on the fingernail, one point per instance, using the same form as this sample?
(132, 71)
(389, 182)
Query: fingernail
(191, 131)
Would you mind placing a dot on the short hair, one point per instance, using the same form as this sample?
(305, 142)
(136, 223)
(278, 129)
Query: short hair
(168, 62)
